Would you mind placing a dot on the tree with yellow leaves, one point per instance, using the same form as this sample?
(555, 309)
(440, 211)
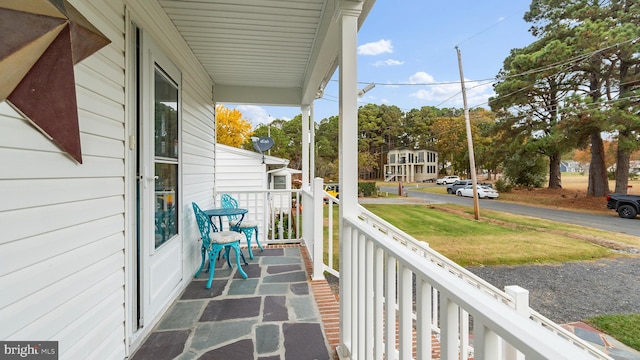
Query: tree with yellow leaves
(231, 128)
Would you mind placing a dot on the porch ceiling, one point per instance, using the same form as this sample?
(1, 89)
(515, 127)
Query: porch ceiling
(276, 52)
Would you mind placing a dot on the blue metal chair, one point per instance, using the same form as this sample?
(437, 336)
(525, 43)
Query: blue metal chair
(214, 241)
(240, 225)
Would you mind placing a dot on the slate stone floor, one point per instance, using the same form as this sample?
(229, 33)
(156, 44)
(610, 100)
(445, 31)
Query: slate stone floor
(270, 315)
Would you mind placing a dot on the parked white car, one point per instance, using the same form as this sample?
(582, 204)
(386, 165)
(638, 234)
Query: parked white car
(483, 192)
(447, 180)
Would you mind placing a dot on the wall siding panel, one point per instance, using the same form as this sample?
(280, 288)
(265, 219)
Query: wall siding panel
(34, 249)
(50, 324)
(64, 250)
(24, 315)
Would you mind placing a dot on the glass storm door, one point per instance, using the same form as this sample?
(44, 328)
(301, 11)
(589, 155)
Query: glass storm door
(160, 241)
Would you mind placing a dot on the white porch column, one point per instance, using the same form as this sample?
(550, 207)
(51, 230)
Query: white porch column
(305, 148)
(348, 105)
(312, 143)
(347, 16)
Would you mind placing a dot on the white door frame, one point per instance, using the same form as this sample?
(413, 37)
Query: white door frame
(154, 274)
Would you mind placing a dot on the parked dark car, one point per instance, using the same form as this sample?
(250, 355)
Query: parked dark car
(458, 184)
(627, 206)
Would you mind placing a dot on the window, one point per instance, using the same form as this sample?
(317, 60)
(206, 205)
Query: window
(279, 182)
(165, 157)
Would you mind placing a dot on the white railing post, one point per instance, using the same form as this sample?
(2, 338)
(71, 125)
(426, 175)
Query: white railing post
(390, 308)
(488, 345)
(521, 300)
(405, 322)
(317, 230)
(448, 328)
(423, 321)
(378, 323)
(369, 299)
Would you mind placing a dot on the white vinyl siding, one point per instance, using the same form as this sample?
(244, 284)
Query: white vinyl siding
(62, 249)
(239, 172)
(65, 241)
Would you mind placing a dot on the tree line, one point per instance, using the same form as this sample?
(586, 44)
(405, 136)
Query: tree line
(580, 79)
(386, 127)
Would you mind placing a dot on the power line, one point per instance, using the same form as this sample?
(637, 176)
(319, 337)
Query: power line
(560, 66)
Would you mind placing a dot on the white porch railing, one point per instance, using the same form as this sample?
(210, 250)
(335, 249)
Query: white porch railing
(435, 298)
(389, 277)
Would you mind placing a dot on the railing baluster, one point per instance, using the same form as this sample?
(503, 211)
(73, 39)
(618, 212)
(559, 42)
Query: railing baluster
(369, 300)
(359, 304)
(479, 340)
(405, 297)
(378, 324)
(390, 308)
(464, 334)
(330, 234)
(423, 321)
(448, 328)
(346, 291)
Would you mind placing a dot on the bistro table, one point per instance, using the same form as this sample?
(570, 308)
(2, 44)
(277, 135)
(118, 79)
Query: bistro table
(222, 212)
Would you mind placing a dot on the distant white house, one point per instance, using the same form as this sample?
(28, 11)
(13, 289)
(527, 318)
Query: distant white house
(244, 169)
(634, 167)
(571, 166)
(411, 165)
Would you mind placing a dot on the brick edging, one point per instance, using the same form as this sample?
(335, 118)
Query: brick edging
(327, 305)
(329, 308)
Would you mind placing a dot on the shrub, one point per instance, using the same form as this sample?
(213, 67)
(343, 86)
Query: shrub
(367, 188)
(526, 169)
(503, 186)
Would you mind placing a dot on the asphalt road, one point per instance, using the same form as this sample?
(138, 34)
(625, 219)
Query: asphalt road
(610, 222)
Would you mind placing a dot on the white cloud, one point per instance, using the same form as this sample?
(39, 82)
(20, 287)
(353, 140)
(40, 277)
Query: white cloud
(254, 114)
(376, 48)
(388, 62)
(421, 77)
(450, 94)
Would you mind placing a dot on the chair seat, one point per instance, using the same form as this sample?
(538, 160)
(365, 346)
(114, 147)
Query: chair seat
(244, 223)
(226, 237)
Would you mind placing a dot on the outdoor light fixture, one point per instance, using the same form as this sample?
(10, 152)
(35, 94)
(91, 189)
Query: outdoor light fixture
(366, 89)
(320, 92)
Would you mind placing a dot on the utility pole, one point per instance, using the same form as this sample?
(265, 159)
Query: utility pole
(269, 134)
(472, 161)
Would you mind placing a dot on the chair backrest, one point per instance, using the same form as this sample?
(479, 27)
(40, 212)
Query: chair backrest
(228, 202)
(204, 224)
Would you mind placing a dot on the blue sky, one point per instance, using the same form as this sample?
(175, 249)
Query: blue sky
(406, 43)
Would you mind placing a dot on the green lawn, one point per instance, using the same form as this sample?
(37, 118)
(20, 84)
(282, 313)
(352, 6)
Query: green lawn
(624, 328)
(470, 242)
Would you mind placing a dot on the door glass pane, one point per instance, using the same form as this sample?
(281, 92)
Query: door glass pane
(166, 197)
(166, 117)
(166, 158)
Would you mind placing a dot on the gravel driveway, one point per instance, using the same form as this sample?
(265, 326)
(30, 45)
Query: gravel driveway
(573, 291)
